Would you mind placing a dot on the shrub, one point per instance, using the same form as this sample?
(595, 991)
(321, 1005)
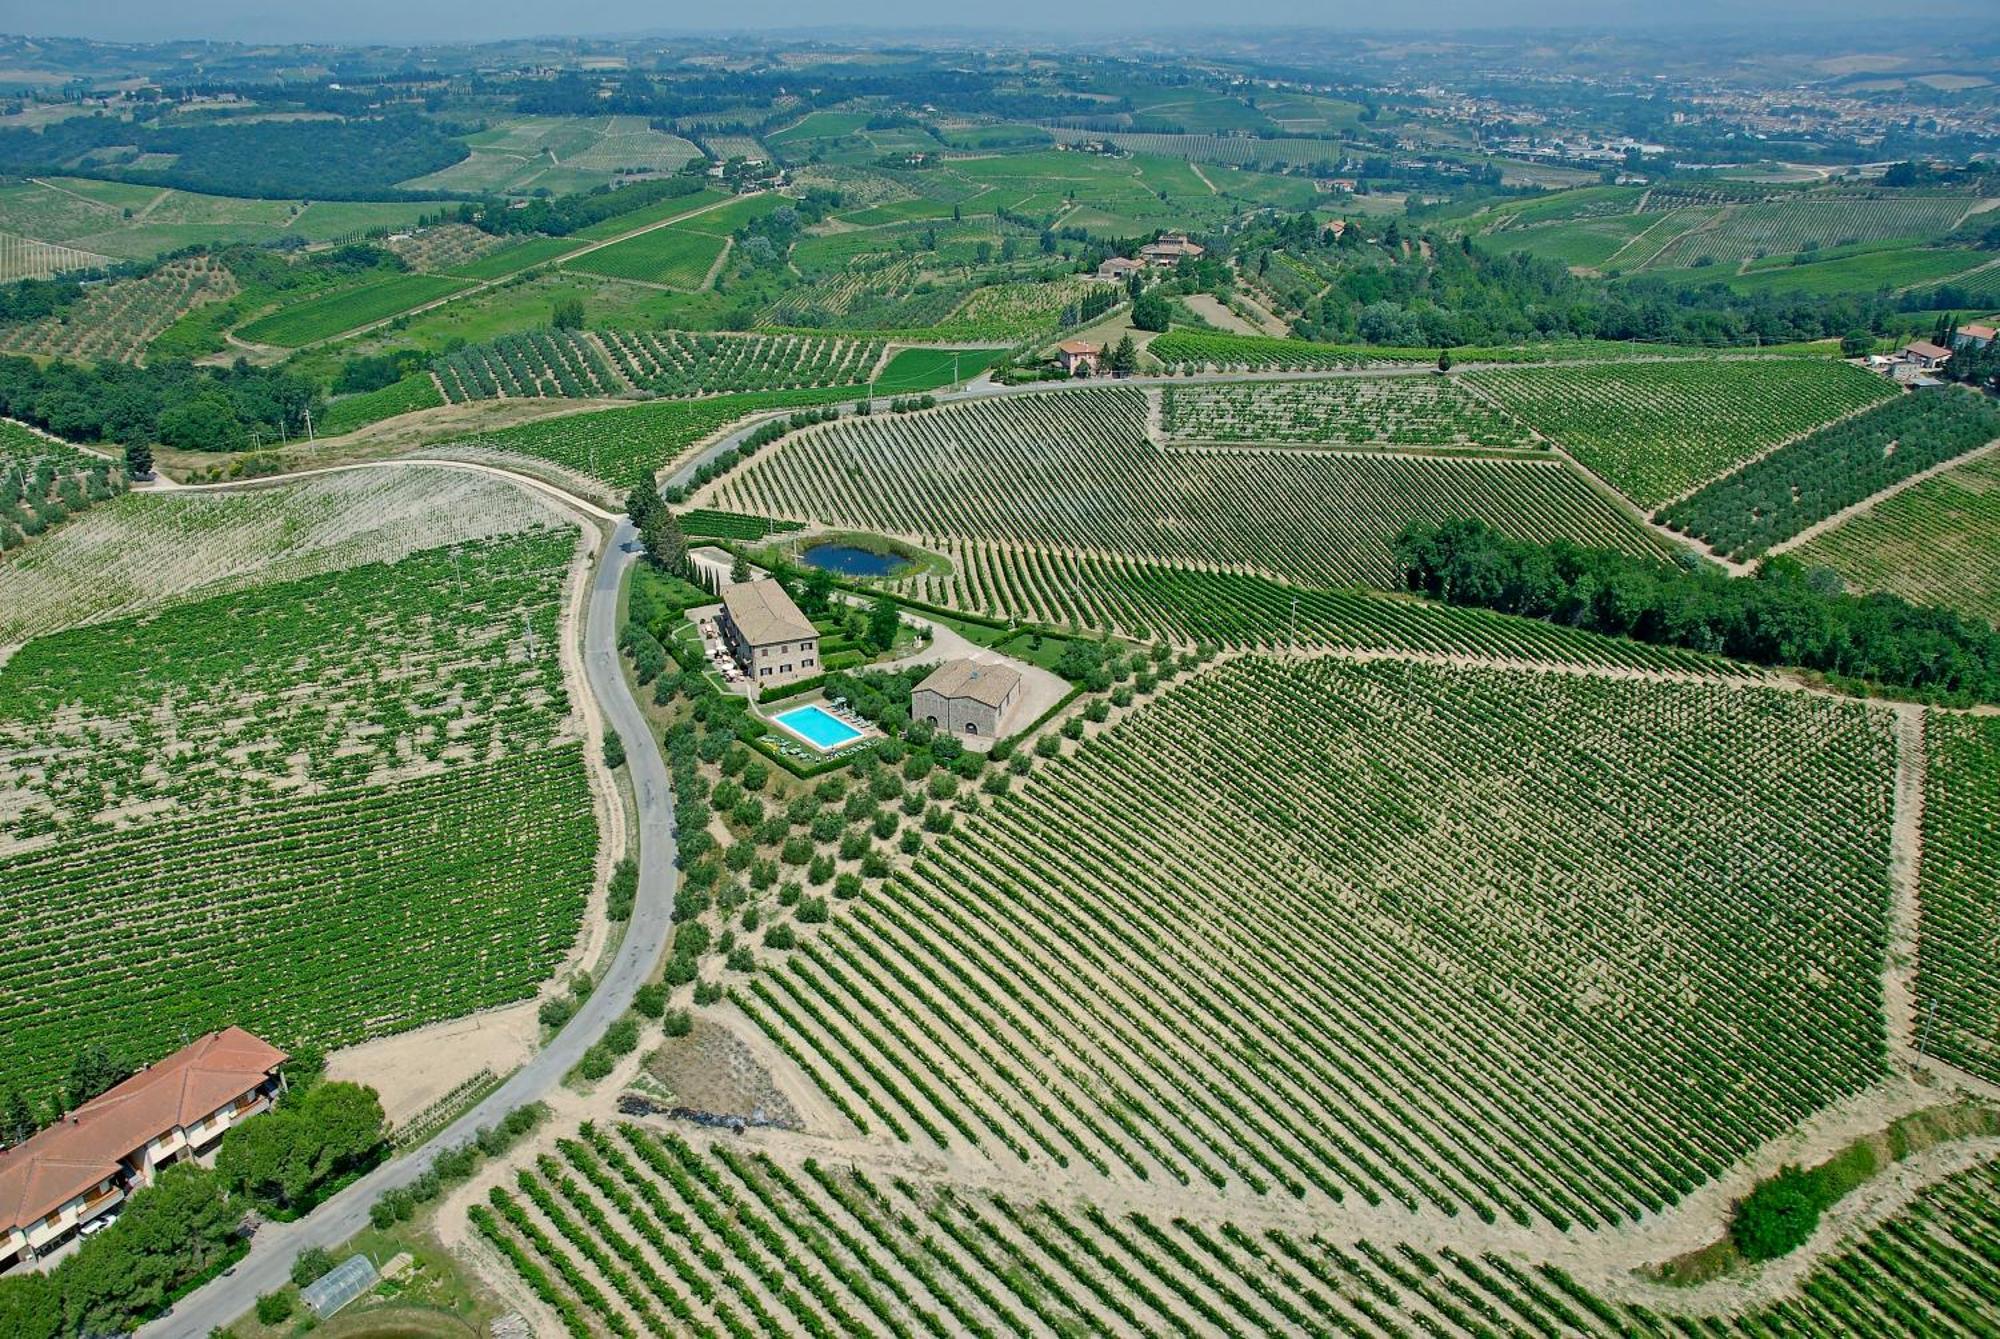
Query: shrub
(650, 1000)
(310, 1264)
(679, 1022)
(274, 1308)
(596, 1063)
(1778, 1214)
(741, 960)
(622, 1037)
(820, 870)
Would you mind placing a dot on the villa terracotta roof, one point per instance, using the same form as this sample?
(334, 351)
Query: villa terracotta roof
(764, 614)
(985, 684)
(57, 1164)
(1078, 346)
(1977, 331)
(1923, 348)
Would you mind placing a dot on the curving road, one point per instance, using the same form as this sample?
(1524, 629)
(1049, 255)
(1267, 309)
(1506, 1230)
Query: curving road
(268, 1266)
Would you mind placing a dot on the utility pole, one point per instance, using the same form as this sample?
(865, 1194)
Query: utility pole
(309, 424)
(528, 634)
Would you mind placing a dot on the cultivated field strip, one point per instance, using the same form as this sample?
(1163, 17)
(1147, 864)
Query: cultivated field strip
(1937, 542)
(1191, 605)
(43, 484)
(323, 809)
(545, 363)
(1656, 430)
(1075, 470)
(1958, 955)
(1783, 494)
(1417, 411)
(1683, 888)
(1774, 228)
(155, 548)
(119, 319)
(634, 1230)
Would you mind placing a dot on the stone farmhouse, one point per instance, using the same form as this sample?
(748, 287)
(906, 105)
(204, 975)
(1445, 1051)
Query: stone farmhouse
(1170, 250)
(80, 1169)
(770, 638)
(1974, 336)
(966, 697)
(1119, 268)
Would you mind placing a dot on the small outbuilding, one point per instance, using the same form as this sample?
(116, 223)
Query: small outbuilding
(1120, 268)
(1922, 353)
(966, 697)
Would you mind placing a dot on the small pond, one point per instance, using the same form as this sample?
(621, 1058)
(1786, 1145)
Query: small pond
(850, 561)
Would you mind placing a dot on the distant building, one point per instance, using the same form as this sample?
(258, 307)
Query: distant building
(1120, 268)
(770, 638)
(1973, 336)
(83, 1166)
(965, 697)
(1170, 250)
(1922, 353)
(1073, 354)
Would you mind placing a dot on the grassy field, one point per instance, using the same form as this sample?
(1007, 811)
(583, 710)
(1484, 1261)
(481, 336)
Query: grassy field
(932, 369)
(559, 154)
(1074, 470)
(342, 746)
(1937, 542)
(338, 312)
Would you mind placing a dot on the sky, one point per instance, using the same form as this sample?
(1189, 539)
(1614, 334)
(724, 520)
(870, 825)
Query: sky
(485, 20)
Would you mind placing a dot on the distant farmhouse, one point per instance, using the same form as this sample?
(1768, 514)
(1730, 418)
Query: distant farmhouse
(1926, 355)
(965, 697)
(770, 638)
(60, 1180)
(1119, 268)
(1075, 354)
(1973, 336)
(1170, 250)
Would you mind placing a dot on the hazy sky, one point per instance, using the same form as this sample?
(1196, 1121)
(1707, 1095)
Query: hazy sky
(479, 20)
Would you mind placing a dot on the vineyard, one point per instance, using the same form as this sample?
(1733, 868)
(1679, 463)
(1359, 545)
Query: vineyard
(629, 1230)
(676, 257)
(119, 319)
(1182, 351)
(348, 412)
(338, 312)
(1958, 960)
(1017, 310)
(1772, 499)
(1233, 150)
(624, 447)
(1190, 606)
(154, 549)
(261, 808)
(1641, 863)
(1741, 232)
(26, 258)
(1655, 430)
(1937, 542)
(1074, 470)
(666, 362)
(42, 484)
(1419, 411)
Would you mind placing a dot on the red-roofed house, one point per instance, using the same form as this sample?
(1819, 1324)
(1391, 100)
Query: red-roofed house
(1922, 353)
(1978, 336)
(81, 1167)
(1072, 354)
(1171, 249)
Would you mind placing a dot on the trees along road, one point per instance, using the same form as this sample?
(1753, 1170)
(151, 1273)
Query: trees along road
(269, 1264)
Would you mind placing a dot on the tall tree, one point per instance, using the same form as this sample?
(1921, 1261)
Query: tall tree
(94, 1071)
(665, 543)
(138, 460)
(883, 620)
(17, 1119)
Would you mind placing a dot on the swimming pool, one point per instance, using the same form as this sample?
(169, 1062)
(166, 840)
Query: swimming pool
(818, 727)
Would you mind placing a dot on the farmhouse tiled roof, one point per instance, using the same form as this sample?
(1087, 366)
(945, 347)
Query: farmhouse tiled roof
(1923, 348)
(764, 614)
(1078, 346)
(1977, 331)
(55, 1165)
(985, 684)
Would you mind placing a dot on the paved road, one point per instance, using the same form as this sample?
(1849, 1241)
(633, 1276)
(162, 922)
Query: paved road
(268, 1266)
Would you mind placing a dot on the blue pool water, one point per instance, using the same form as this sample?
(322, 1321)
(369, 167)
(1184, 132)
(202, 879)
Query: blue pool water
(818, 727)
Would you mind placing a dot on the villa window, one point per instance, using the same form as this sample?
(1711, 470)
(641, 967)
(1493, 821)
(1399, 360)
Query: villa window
(972, 727)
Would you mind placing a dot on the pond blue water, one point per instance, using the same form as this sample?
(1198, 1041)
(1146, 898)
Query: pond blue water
(852, 562)
(818, 727)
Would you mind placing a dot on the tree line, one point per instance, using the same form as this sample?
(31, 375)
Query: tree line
(1784, 615)
(232, 408)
